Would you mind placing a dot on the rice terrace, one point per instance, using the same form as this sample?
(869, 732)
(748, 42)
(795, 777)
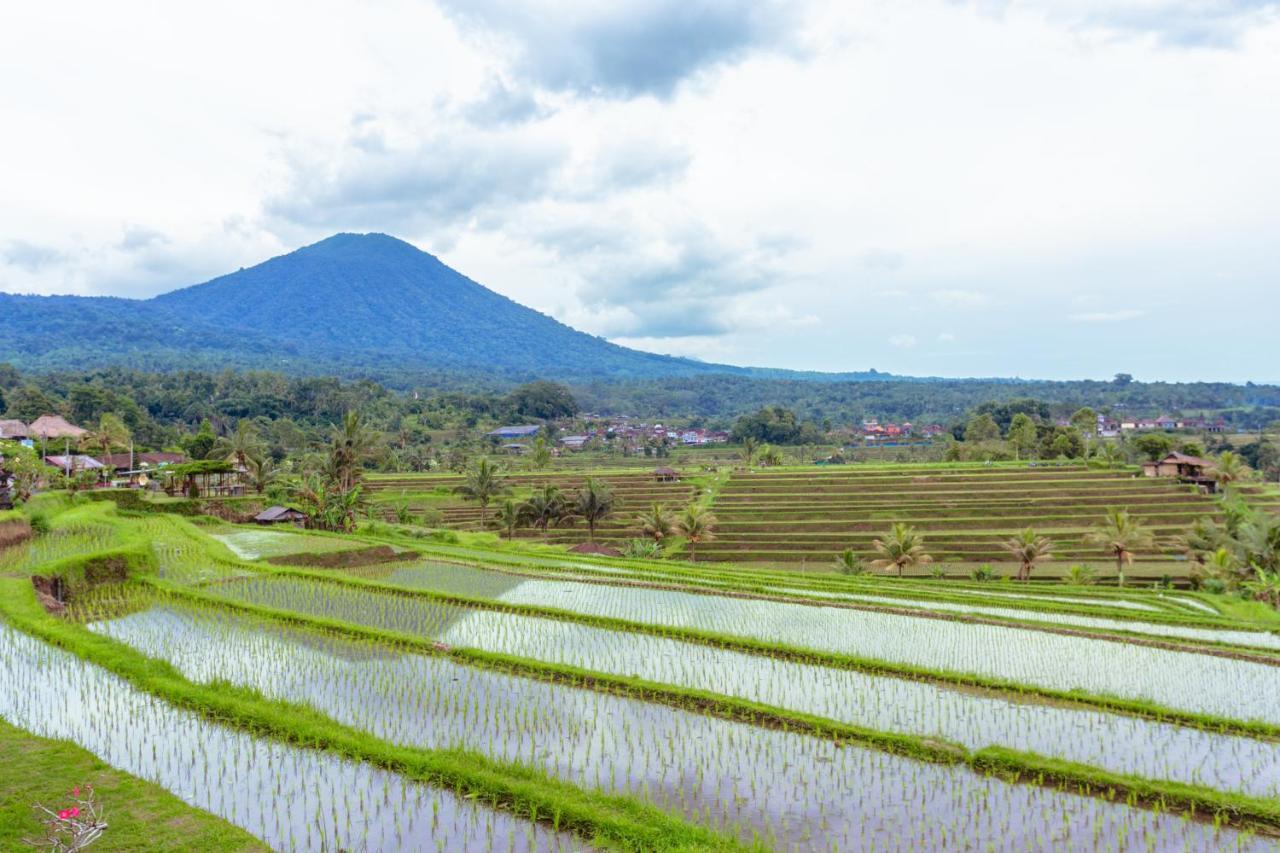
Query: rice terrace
(812, 426)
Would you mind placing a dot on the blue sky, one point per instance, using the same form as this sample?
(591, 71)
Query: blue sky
(1069, 188)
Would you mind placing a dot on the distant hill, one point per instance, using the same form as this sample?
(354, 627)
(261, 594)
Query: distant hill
(352, 305)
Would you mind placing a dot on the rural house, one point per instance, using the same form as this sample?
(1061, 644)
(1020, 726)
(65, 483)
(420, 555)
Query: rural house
(11, 430)
(48, 427)
(281, 515)
(1187, 469)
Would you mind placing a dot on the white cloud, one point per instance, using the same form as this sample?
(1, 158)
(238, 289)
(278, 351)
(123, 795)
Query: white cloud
(902, 341)
(755, 195)
(1119, 316)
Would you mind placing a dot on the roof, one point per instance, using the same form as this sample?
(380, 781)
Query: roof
(54, 426)
(278, 513)
(76, 462)
(121, 460)
(13, 429)
(665, 472)
(516, 431)
(1184, 459)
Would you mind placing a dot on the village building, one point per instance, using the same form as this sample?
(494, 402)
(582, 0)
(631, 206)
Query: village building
(281, 515)
(47, 427)
(510, 433)
(1186, 469)
(666, 475)
(11, 430)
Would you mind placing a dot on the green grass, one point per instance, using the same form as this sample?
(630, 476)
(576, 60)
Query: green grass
(140, 816)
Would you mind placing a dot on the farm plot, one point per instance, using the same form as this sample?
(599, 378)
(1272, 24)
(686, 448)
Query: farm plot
(289, 797)
(796, 792)
(248, 544)
(1240, 690)
(963, 513)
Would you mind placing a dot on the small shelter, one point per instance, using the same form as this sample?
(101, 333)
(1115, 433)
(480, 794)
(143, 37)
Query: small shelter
(281, 515)
(11, 430)
(1186, 469)
(514, 432)
(46, 427)
(666, 475)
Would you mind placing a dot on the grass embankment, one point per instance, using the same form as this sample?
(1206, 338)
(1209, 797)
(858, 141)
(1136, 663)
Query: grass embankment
(140, 816)
(609, 821)
(783, 651)
(1235, 809)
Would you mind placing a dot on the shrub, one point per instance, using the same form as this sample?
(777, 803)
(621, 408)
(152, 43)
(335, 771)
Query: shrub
(984, 572)
(938, 571)
(39, 522)
(643, 549)
(1081, 574)
(849, 563)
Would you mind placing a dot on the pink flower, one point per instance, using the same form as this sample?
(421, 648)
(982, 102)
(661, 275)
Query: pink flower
(75, 792)
(64, 814)
(75, 811)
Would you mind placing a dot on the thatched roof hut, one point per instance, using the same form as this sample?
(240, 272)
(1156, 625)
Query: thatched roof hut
(54, 426)
(14, 430)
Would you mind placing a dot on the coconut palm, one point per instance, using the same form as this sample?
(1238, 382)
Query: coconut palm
(111, 433)
(1120, 534)
(262, 471)
(484, 482)
(511, 515)
(1110, 453)
(350, 444)
(240, 445)
(1204, 537)
(697, 525)
(545, 507)
(1266, 587)
(901, 548)
(1259, 541)
(594, 503)
(849, 563)
(1028, 549)
(656, 522)
(1229, 468)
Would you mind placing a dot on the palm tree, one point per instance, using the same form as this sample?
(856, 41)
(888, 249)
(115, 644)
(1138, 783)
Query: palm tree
(545, 508)
(1120, 534)
(749, 447)
(262, 471)
(111, 433)
(1028, 549)
(594, 503)
(540, 456)
(1266, 587)
(697, 525)
(656, 522)
(350, 444)
(1229, 468)
(1202, 539)
(241, 444)
(511, 515)
(484, 483)
(1222, 565)
(1111, 454)
(902, 548)
(849, 563)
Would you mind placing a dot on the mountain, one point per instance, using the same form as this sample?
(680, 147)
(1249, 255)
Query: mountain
(351, 305)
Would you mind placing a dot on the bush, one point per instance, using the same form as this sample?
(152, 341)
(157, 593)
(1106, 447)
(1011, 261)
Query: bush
(984, 572)
(645, 549)
(40, 524)
(1081, 574)
(938, 571)
(1217, 586)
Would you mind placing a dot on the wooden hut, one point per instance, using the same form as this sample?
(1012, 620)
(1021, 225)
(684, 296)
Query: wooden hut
(281, 515)
(1184, 468)
(666, 475)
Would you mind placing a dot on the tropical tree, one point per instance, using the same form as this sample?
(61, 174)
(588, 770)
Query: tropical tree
(656, 522)
(594, 502)
(1023, 435)
(511, 515)
(262, 471)
(849, 563)
(540, 456)
(1203, 538)
(1120, 534)
(1259, 542)
(545, 508)
(749, 447)
(697, 525)
(484, 482)
(1028, 549)
(241, 444)
(1227, 469)
(770, 456)
(111, 433)
(901, 548)
(1110, 454)
(1266, 587)
(1221, 565)
(351, 442)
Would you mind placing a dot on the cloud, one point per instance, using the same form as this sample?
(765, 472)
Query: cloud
(625, 49)
(903, 341)
(29, 256)
(499, 105)
(946, 338)
(1173, 23)
(1107, 316)
(958, 298)
(441, 179)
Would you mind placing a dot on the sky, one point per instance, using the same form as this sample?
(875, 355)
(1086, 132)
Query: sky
(1060, 189)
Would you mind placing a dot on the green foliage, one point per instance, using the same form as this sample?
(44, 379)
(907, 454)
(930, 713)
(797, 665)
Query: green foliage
(981, 427)
(775, 425)
(983, 572)
(543, 400)
(849, 563)
(1153, 445)
(902, 548)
